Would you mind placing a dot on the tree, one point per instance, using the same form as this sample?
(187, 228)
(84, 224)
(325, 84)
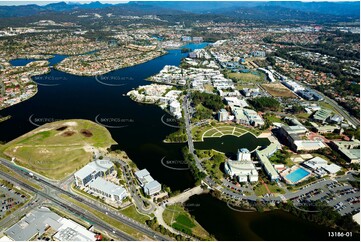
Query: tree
(265, 104)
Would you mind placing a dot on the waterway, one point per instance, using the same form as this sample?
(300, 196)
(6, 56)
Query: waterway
(226, 224)
(52, 61)
(139, 131)
(65, 96)
(229, 144)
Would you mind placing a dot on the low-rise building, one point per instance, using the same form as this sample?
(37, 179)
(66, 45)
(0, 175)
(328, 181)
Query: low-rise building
(263, 156)
(150, 186)
(107, 189)
(175, 109)
(42, 220)
(267, 166)
(91, 171)
(322, 115)
(223, 115)
(308, 145)
(350, 150)
(253, 117)
(243, 168)
(323, 129)
(335, 119)
(321, 166)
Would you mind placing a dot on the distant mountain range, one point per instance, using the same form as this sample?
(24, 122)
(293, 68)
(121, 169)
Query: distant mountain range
(331, 8)
(241, 9)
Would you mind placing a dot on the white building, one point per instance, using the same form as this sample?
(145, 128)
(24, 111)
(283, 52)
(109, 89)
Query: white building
(294, 86)
(243, 168)
(244, 155)
(175, 109)
(320, 166)
(223, 115)
(91, 176)
(91, 171)
(254, 118)
(150, 186)
(107, 189)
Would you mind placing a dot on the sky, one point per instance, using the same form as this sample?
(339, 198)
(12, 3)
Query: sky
(44, 2)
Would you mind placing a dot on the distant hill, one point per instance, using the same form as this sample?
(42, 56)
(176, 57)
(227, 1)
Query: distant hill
(251, 10)
(351, 9)
(32, 9)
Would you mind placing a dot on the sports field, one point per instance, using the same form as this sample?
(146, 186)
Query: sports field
(56, 150)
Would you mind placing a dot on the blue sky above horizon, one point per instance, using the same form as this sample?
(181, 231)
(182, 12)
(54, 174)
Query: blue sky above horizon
(44, 2)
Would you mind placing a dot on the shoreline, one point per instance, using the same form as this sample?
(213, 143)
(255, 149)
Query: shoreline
(75, 73)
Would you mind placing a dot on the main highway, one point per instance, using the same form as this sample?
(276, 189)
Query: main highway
(53, 189)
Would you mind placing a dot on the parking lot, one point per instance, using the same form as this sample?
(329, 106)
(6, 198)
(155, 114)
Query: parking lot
(9, 198)
(342, 197)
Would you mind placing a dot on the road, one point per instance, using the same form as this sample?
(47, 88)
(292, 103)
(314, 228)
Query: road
(95, 205)
(96, 222)
(354, 121)
(184, 196)
(137, 199)
(17, 214)
(186, 110)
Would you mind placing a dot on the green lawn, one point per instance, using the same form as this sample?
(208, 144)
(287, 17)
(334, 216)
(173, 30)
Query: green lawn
(58, 149)
(209, 130)
(133, 213)
(177, 217)
(272, 118)
(261, 190)
(246, 77)
(326, 105)
(303, 115)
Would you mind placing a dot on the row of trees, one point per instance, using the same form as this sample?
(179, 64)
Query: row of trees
(197, 174)
(323, 215)
(153, 224)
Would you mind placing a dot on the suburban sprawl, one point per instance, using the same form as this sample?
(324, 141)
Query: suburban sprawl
(264, 114)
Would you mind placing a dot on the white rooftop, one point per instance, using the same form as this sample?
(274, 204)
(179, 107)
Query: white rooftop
(94, 166)
(142, 173)
(108, 187)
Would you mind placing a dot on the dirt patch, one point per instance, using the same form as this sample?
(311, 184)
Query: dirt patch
(278, 90)
(68, 133)
(86, 133)
(62, 128)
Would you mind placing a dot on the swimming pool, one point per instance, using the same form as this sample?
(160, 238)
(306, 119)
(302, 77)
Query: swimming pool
(297, 175)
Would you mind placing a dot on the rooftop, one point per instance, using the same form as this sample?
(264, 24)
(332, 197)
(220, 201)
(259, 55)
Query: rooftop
(94, 166)
(108, 187)
(35, 222)
(322, 114)
(152, 185)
